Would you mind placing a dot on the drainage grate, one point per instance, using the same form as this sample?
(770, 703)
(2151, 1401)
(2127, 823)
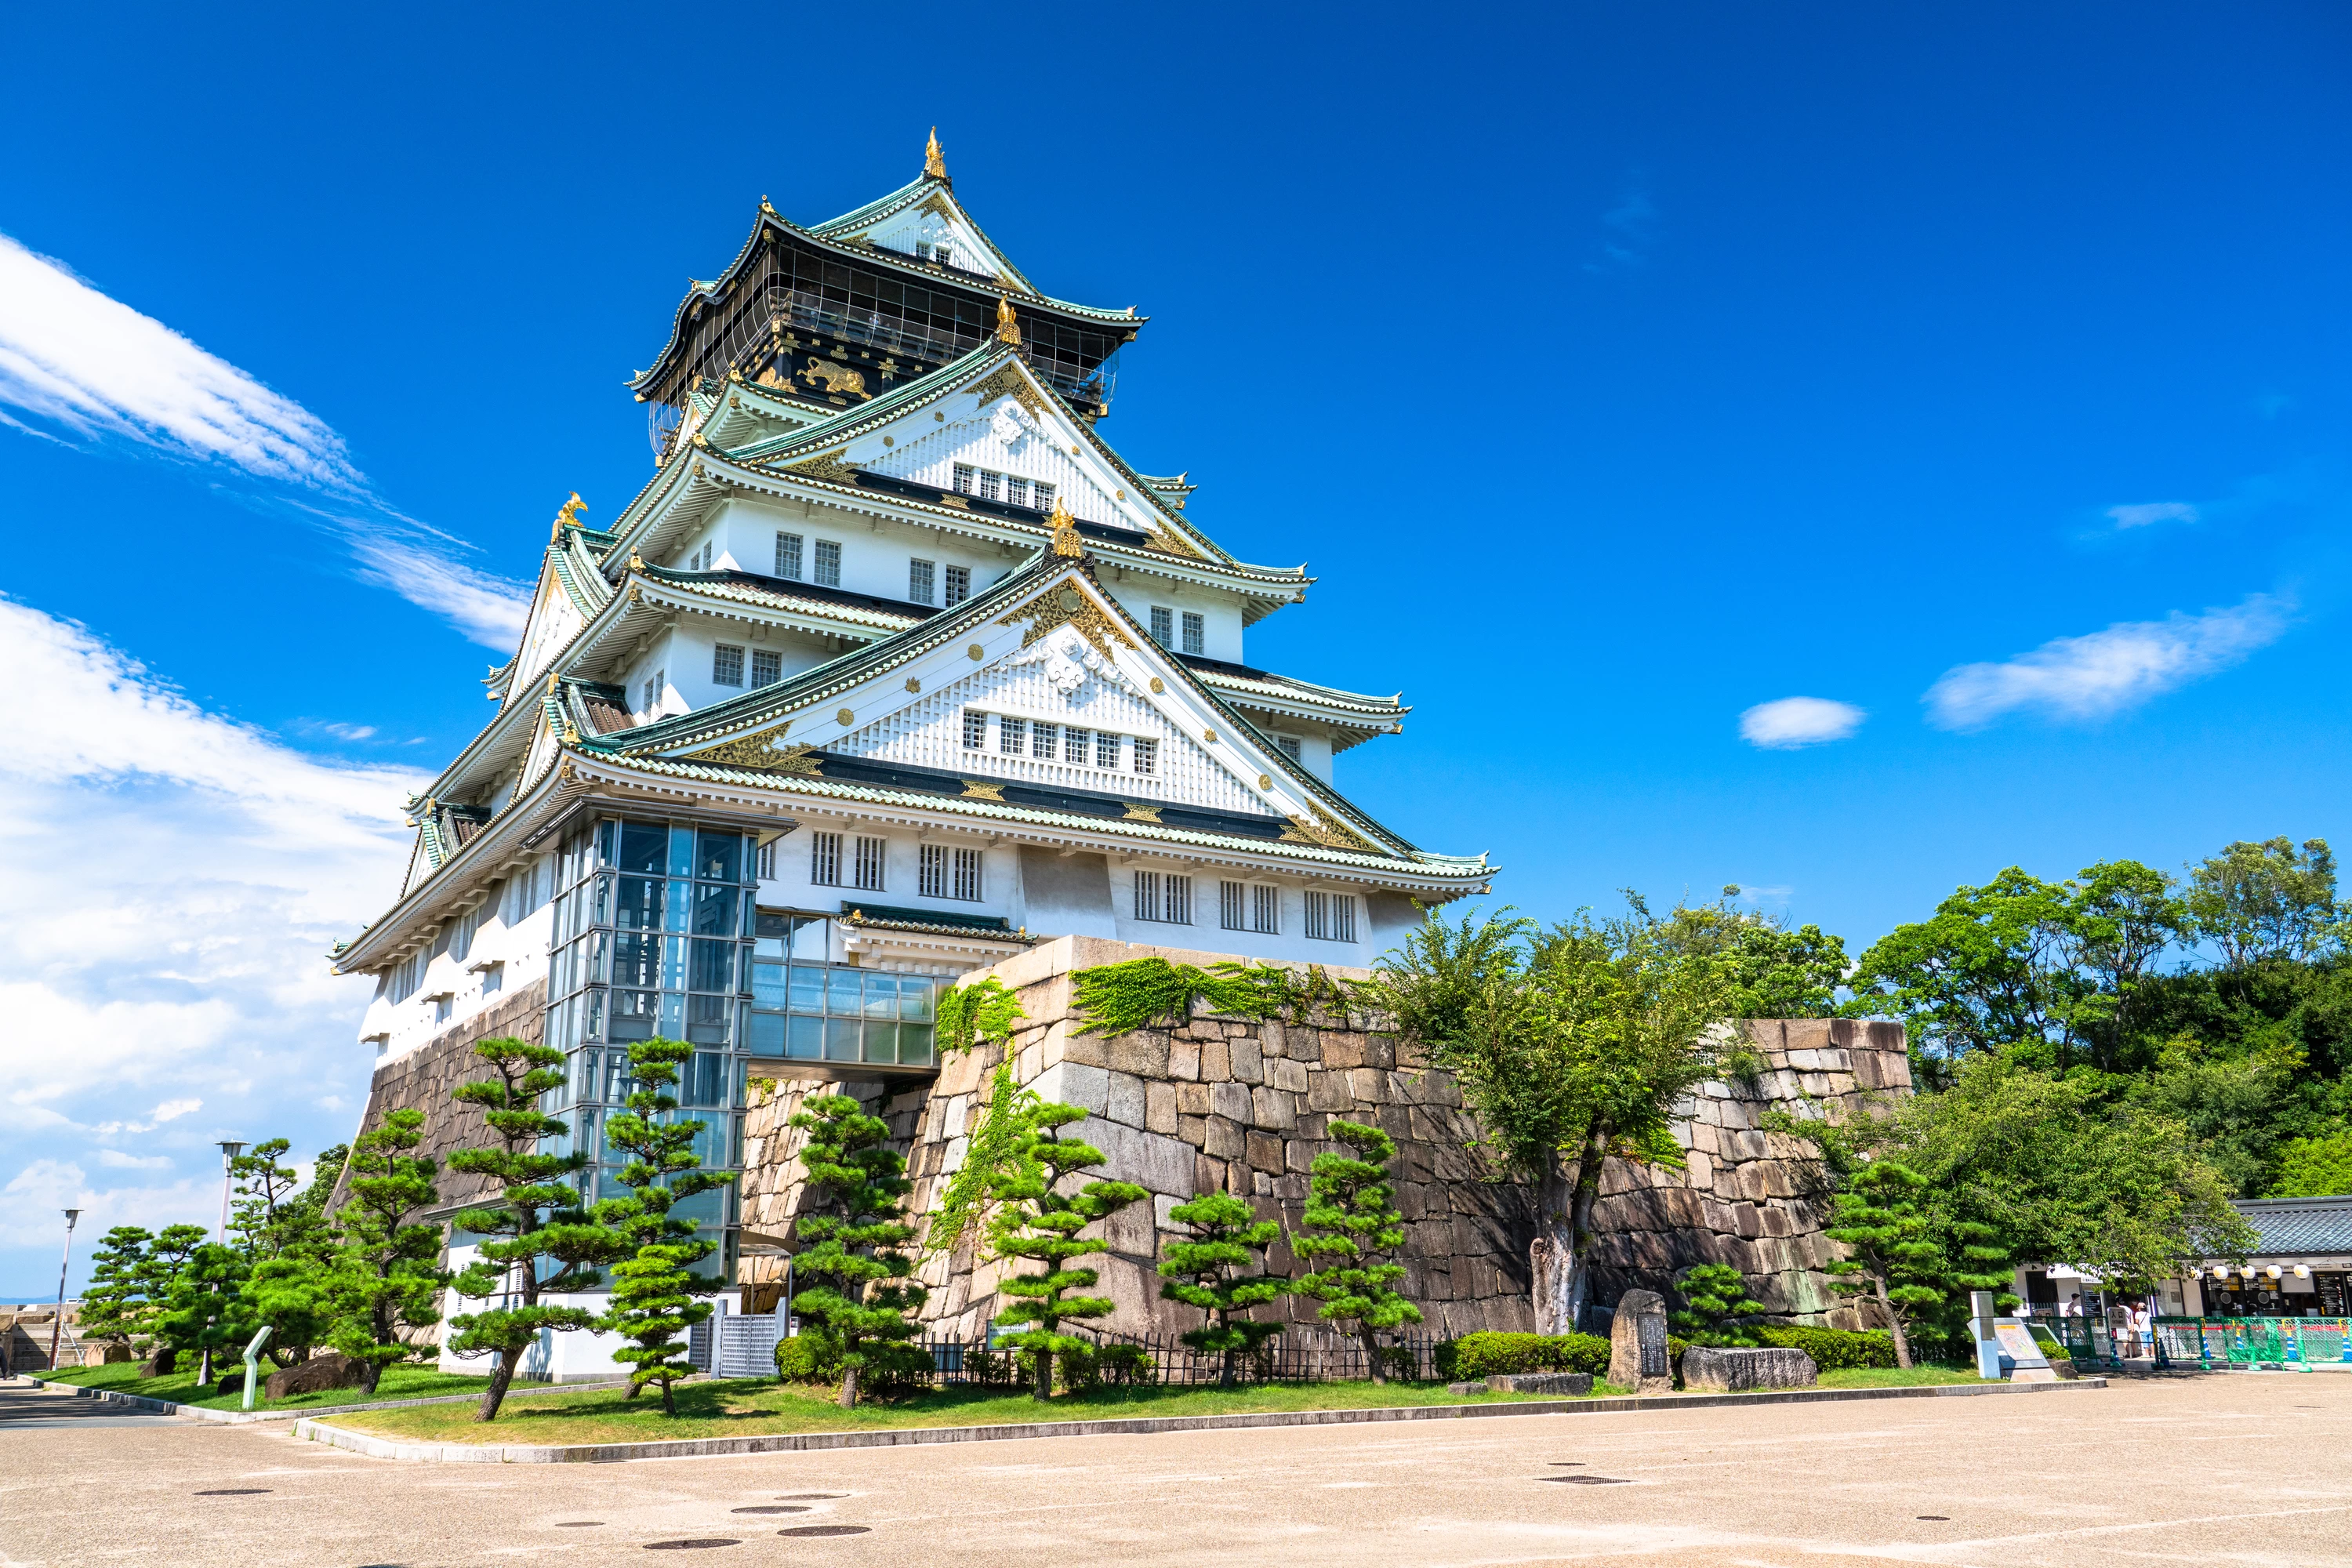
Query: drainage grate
(581, 1524)
(1588, 1480)
(1937, 1518)
(825, 1529)
(811, 1497)
(236, 1492)
(771, 1507)
(1569, 1464)
(691, 1545)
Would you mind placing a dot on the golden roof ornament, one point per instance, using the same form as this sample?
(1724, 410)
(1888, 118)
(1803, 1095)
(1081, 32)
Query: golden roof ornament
(637, 561)
(1008, 330)
(1067, 541)
(935, 163)
(568, 513)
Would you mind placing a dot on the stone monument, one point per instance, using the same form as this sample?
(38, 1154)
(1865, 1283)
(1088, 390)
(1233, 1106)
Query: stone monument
(1735, 1370)
(1637, 1344)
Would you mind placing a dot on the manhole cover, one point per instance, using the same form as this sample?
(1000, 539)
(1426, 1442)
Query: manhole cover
(1588, 1480)
(236, 1492)
(693, 1545)
(825, 1529)
(810, 1497)
(581, 1524)
(1937, 1518)
(771, 1507)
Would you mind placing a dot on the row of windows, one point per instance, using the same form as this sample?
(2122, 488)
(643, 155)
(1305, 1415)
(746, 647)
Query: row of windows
(923, 576)
(942, 871)
(990, 485)
(727, 662)
(1163, 630)
(1057, 742)
(1166, 899)
(826, 561)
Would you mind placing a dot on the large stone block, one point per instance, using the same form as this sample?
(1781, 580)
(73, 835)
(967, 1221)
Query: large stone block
(331, 1370)
(1159, 1107)
(1248, 1066)
(1216, 1062)
(1271, 1109)
(1230, 1100)
(1735, 1371)
(1287, 1076)
(1224, 1138)
(1125, 1100)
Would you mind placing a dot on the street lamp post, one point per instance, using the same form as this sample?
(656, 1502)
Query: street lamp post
(58, 1324)
(230, 1150)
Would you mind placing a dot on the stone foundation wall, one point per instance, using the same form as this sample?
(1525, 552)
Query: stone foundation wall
(422, 1079)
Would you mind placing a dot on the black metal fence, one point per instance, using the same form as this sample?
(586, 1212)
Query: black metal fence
(1297, 1355)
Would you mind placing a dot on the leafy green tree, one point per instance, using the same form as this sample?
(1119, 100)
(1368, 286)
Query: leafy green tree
(1350, 1228)
(266, 1219)
(1200, 1270)
(1773, 972)
(114, 1304)
(2315, 1168)
(1715, 1299)
(290, 1293)
(167, 1259)
(861, 1248)
(386, 1274)
(653, 1292)
(1037, 1221)
(2270, 900)
(1896, 1261)
(537, 1241)
(1572, 1044)
(206, 1313)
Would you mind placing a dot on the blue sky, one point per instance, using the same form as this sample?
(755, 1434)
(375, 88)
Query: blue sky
(1620, 371)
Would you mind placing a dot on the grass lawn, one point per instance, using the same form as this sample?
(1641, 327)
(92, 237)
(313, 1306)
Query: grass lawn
(1895, 1377)
(748, 1406)
(182, 1388)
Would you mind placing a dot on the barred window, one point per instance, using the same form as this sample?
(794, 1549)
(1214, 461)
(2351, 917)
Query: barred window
(931, 870)
(1232, 905)
(992, 485)
(1289, 746)
(825, 859)
(1266, 909)
(918, 580)
(967, 875)
(768, 862)
(947, 874)
(1075, 747)
(1331, 916)
(1043, 494)
(963, 477)
(828, 564)
(1146, 755)
(657, 688)
(1163, 625)
(726, 665)
(1012, 735)
(959, 585)
(1045, 740)
(767, 668)
(1016, 490)
(1195, 634)
(868, 865)
(975, 731)
(1106, 749)
(1163, 897)
(788, 556)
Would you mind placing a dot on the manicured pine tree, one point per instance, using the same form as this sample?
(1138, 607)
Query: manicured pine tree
(537, 1239)
(1199, 1272)
(288, 1246)
(207, 1313)
(861, 1248)
(386, 1273)
(1036, 1222)
(263, 1187)
(1350, 1221)
(114, 1305)
(1716, 1294)
(654, 1292)
(167, 1258)
(1896, 1262)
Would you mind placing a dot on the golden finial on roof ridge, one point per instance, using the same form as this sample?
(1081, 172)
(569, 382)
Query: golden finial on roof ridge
(568, 513)
(1008, 330)
(935, 165)
(1067, 541)
(766, 208)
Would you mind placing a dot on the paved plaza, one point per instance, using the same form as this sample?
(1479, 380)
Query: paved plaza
(2223, 1468)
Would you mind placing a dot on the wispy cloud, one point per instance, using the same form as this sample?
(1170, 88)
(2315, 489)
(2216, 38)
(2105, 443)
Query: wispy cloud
(1789, 723)
(1629, 229)
(2144, 514)
(95, 370)
(2107, 672)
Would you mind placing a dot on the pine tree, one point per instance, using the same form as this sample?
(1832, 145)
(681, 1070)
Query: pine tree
(863, 1313)
(114, 1305)
(262, 1219)
(1042, 1225)
(206, 1313)
(386, 1274)
(1199, 1273)
(654, 1292)
(1896, 1261)
(535, 1221)
(1716, 1294)
(1350, 1220)
(167, 1259)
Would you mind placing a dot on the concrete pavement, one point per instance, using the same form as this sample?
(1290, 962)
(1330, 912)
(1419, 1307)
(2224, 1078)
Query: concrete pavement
(2234, 1467)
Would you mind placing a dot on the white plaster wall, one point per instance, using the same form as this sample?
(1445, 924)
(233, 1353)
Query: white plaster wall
(791, 887)
(523, 950)
(874, 553)
(1290, 945)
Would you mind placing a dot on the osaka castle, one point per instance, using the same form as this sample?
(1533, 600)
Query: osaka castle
(894, 668)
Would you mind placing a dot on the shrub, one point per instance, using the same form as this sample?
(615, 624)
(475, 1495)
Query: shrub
(806, 1358)
(1474, 1356)
(1833, 1350)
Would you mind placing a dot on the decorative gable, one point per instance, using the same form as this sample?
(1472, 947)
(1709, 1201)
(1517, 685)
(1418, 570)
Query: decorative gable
(934, 229)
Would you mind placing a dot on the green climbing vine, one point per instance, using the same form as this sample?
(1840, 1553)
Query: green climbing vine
(969, 1014)
(993, 1150)
(1115, 999)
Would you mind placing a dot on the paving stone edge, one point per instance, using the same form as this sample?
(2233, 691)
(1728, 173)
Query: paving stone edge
(316, 1431)
(246, 1417)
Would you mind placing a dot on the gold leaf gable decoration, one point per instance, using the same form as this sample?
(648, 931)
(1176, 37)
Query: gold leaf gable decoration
(1008, 382)
(1327, 830)
(762, 750)
(1167, 539)
(1069, 604)
(826, 466)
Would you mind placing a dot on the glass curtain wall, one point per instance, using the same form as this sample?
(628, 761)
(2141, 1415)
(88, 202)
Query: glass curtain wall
(807, 1008)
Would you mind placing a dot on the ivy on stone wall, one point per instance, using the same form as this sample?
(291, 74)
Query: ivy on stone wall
(1117, 998)
(969, 1014)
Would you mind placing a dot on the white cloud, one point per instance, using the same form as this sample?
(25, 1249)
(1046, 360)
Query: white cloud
(2101, 673)
(119, 1160)
(174, 880)
(1789, 723)
(2144, 513)
(96, 368)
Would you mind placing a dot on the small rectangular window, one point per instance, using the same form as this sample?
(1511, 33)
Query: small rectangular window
(726, 665)
(868, 865)
(1266, 909)
(657, 688)
(766, 667)
(975, 731)
(1163, 897)
(1016, 490)
(918, 580)
(992, 485)
(1232, 905)
(1106, 749)
(1012, 735)
(788, 556)
(967, 875)
(963, 477)
(828, 564)
(1195, 634)
(1146, 755)
(931, 870)
(1076, 746)
(959, 585)
(1045, 740)
(1317, 924)
(1147, 895)
(1163, 625)
(1041, 496)
(768, 862)
(825, 859)
(1289, 746)
(1331, 916)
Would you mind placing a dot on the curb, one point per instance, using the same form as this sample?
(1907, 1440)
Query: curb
(316, 1431)
(246, 1417)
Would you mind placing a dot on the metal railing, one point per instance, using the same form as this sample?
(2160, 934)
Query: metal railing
(2287, 1344)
